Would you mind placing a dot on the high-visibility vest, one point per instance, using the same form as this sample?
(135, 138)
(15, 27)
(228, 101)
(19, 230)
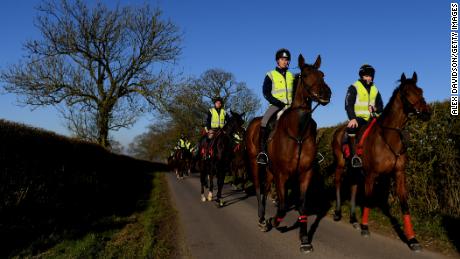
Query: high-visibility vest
(282, 87)
(364, 99)
(217, 119)
(184, 144)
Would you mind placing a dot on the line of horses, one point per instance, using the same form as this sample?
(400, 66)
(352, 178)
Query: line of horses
(292, 153)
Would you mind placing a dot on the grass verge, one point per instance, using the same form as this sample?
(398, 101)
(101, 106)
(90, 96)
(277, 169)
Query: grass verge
(148, 233)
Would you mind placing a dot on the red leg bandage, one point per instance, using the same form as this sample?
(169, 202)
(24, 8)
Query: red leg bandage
(365, 217)
(303, 219)
(408, 230)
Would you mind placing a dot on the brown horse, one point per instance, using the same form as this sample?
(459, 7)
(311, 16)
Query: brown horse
(384, 152)
(181, 162)
(291, 150)
(221, 149)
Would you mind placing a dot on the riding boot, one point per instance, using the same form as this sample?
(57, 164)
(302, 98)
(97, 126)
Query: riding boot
(262, 157)
(355, 159)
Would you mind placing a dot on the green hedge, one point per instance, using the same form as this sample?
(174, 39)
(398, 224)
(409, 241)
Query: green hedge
(433, 178)
(53, 186)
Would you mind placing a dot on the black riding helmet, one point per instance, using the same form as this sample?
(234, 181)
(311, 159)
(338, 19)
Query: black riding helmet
(217, 98)
(366, 70)
(283, 53)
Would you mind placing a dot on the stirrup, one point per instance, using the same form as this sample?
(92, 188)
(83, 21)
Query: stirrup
(262, 158)
(356, 161)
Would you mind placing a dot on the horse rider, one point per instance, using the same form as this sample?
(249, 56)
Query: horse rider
(362, 102)
(215, 120)
(183, 142)
(278, 91)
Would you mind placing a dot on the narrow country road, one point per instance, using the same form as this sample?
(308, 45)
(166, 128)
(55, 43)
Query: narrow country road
(232, 232)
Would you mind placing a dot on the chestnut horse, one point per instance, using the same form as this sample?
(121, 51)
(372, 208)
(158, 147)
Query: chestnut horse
(384, 153)
(291, 149)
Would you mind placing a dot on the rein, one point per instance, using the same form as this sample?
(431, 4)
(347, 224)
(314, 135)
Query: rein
(299, 139)
(399, 130)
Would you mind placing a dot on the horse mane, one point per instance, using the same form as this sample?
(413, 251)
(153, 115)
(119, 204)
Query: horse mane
(395, 93)
(297, 77)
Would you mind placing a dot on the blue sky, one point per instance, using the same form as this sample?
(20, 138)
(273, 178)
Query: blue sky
(242, 36)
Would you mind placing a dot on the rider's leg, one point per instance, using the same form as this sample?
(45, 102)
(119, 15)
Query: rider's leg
(262, 157)
(356, 160)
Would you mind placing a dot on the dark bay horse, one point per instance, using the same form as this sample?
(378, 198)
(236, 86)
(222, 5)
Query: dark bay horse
(238, 164)
(181, 162)
(221, 150)
(291, 150)
(384, 152)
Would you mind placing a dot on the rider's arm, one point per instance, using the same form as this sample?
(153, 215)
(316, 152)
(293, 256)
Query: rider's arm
(350, 100)
(208, 120)
(267, 91)
(378, 103)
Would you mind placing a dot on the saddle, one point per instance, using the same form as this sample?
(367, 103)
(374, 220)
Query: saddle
(207, 150)
(272, 124)
(360, 138)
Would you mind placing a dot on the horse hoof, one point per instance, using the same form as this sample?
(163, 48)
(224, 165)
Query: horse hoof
(221, 203)
(356, 225)
(414, 245)
(306, 248)
(203, 199)
(264, 226)
(210, 196)
(273, 222)
(365, 231)
(337, 215)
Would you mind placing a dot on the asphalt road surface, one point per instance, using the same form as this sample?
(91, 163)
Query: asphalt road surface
(232, 231)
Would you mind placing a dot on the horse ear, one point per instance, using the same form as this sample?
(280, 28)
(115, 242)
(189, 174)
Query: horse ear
(242, 115)
(414, 77)
(403, 77)
(301, 61)
(317, 62)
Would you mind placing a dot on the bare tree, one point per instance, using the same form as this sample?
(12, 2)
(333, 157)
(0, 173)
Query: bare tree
(97, 63)
(236, 95)
(187, 108)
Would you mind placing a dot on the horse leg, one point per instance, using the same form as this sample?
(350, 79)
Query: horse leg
(368, 187)
(203, 176)
(338, 181)
(220, 183)
(402, 195)
(211, 179)
(305, 242)
(258, 181)
(280, 182)
(353, 220)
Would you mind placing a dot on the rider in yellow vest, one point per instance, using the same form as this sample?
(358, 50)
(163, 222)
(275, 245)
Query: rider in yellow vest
(278, 90)
(183, 142)
(216, 116)
(216, 119)
(363, 101)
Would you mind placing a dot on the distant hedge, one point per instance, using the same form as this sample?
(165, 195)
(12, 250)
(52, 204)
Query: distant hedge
(50, 184)
(433, 178)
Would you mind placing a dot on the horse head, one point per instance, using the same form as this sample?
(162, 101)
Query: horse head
(412, 98)
(311, 83)
(235, 123)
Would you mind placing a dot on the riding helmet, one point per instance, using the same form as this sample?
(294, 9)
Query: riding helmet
(366, 70)
(217, 98)
(283, 53)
